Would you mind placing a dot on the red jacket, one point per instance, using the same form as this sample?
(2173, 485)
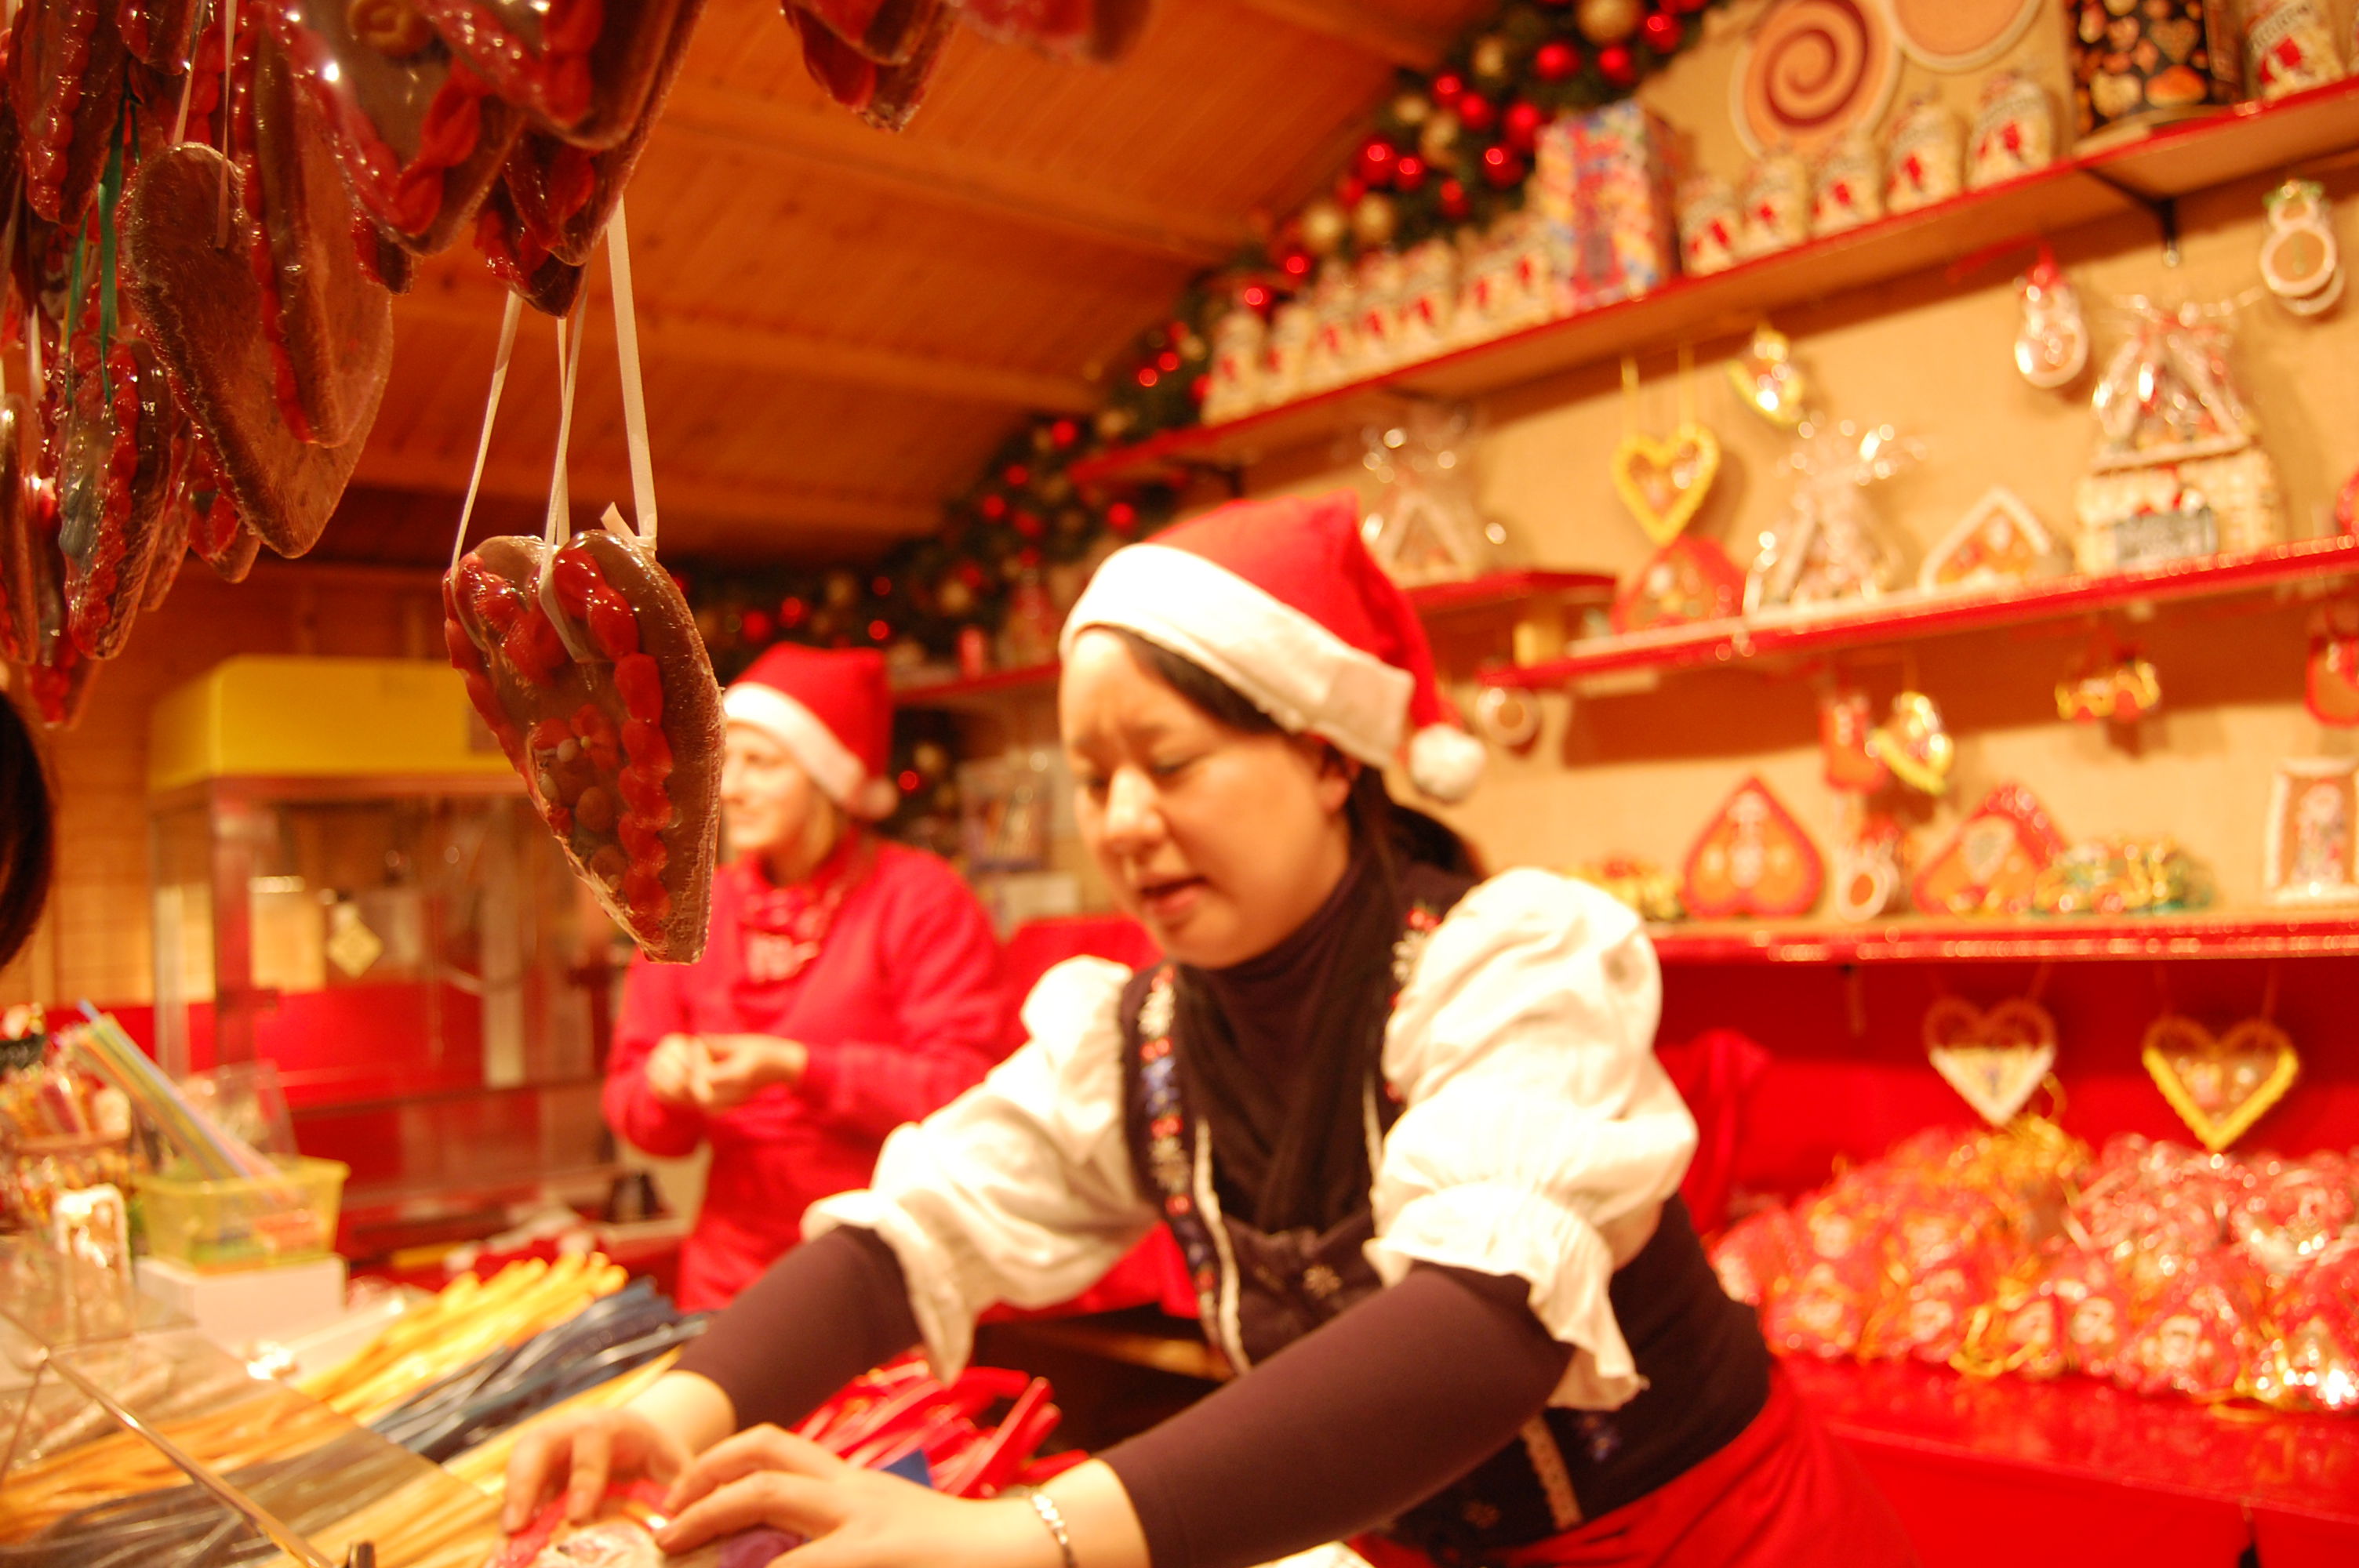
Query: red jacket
(904, 1008)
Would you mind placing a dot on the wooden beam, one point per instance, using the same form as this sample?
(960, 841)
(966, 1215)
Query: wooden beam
(592, 487)
(744, 346)
(828, 138)
(1390, 39)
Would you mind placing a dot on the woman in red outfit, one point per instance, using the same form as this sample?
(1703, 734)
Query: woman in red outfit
(849, 984)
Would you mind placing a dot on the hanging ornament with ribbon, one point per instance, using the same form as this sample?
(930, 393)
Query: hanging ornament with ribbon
(1664, 481)
(2051, 347)
(2299, 260)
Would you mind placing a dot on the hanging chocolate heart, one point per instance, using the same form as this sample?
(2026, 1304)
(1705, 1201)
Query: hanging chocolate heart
(1754, 859)
(518, 257)
(420, 135)
(205, 310)
(1995, 1060)
(156, 32)
(2219, 1087)
(1664, 481)
(1914, 743)
(329, 323)
(66, 76)
(114, 458)
(873, 56)
(584, 69)
(620, 749)
(20, 604)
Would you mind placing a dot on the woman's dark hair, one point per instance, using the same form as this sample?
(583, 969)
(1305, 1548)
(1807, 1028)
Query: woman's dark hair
(27, 837)
(1305, 1160)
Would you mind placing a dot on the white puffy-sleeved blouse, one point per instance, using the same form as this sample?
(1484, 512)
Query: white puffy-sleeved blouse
(1538, 1136)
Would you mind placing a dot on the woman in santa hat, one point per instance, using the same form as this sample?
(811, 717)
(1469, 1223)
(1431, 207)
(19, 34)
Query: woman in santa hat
(849, 985)
(1406, 1127)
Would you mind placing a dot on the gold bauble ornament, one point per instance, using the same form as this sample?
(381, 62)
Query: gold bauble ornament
(843, 590)
(1607, 21)
(954, 598)
(1374, 220)
(1489, 59)
(1111, 423)
(1412, 108)
(1439, 138)
(1324, 225)
(930, 758)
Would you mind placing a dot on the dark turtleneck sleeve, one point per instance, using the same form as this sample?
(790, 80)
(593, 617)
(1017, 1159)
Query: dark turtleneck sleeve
(1347, 1427)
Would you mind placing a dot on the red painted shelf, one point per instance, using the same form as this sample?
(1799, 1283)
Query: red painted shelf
(2257, 934)
(1497, 590)
(1904, 616)
(2193, 156)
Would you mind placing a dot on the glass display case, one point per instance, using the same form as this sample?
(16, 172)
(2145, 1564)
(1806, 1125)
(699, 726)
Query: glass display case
(348, 881)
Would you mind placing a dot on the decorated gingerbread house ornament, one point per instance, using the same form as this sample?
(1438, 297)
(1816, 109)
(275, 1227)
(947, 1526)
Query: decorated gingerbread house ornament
(1992, 866)
(1996, 543)
(2178, 473)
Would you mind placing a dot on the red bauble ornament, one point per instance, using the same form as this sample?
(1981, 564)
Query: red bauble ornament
(1556, 60)
(882, 587)
(1198, 387)
(1295, 264)
(792, 612)
(994, 507)
(1475, 112)
(1029, 525)
(1253, 296)
(756, 625)
(1522, 124)
(1662, 32)
(1617, 65)
(1454, 200)
(1448, 86)
(1501, 166)
(1017, 476)
(1122, 516)
(1349, 189)
(1063, 434)
(1377, 160)
(971, 574)
(1148, 376)
(1166, 361)
(1409, 173)
(878, 631)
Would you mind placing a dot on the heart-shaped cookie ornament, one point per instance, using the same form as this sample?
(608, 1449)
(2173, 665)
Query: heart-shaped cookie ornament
(620, 746)
(1664, 482)
(2219, 1087)
(1754, 859)
(2332, 691)
(1914, 743)
(1995, 1060)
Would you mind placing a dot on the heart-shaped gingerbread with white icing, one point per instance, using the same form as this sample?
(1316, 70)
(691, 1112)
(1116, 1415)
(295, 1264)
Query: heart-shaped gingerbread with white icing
(620, 747)
(1995, 1060)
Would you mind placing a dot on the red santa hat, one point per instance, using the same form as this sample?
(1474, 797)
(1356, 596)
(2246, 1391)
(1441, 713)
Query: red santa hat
(832, 708)
(1281, 599)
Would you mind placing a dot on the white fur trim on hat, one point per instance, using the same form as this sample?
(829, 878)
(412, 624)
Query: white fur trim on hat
(1446, 762)
(1291, 667)
(828, 760)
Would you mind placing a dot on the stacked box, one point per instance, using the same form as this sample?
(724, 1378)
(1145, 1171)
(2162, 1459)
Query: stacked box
(1600, 184)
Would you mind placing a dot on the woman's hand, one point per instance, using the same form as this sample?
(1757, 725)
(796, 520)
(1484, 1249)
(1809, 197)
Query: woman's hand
(583, 1453)
(854, 1518)
(739, 1067)
(672, 1070)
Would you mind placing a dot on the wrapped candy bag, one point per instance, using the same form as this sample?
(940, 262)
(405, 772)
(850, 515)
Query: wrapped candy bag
(2311, 1361)
(1754, 1259)
(2201, 1336)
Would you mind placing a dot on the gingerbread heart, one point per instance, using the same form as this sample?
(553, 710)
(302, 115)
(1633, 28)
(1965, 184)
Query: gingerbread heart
(2331, 691)
(113, 462)
(66, 74)
(204, 311)
(1664, 482)
(1991, 865)
(421, 136)
(520, 258)
(156, 32)
(873, 56)
(620, 747)
(2219, 1087)
(1995, 1060)
(583, 69)
(329, 322)
(1754, 859)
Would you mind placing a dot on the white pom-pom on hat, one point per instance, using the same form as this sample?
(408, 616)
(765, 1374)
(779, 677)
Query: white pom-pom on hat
(1446, 762)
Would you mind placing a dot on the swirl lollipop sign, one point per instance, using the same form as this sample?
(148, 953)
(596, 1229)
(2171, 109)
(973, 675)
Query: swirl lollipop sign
(1812, 72)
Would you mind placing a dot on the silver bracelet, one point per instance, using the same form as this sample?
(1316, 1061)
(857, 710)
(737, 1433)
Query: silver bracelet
(1046, 1506)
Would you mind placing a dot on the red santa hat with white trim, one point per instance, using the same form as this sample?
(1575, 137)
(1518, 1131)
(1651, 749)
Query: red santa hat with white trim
(1281, 599)
(833, 709)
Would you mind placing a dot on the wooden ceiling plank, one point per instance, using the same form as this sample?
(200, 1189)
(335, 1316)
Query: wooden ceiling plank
(1388, 39)
(941, 174)
(666, 336)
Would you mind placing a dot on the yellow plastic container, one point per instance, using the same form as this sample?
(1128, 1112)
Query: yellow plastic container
(227, 1225)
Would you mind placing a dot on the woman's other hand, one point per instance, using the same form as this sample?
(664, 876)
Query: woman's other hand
(852, 1515)
(739, 1067)
(583, 1454)
(673, 1069)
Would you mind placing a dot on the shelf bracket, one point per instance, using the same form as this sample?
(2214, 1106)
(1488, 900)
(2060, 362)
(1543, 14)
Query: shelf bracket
(2163, 209)
(1231, 475)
